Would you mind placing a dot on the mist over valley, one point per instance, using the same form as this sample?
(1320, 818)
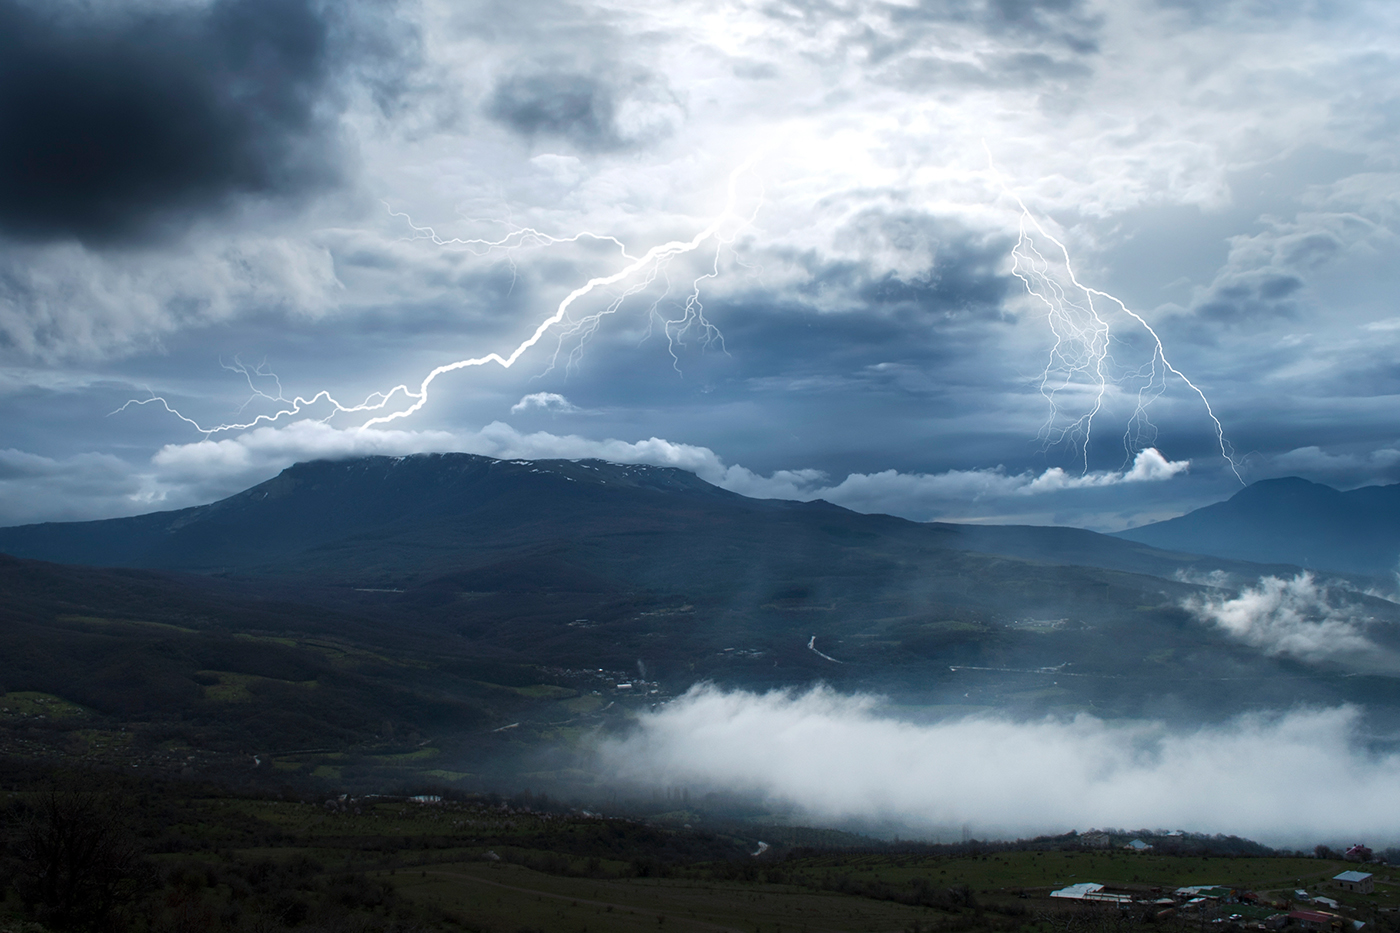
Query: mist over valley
(603, 630)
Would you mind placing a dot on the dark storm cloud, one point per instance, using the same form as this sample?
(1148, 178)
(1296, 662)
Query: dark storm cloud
(1267, 273)
(122, 123)
(961, 282)
(1262, 296)
(1060, 22)
(959, 272)
(1274, 11)
(573, 106)
(1371, 372)
(1037, 40)
(582, 109)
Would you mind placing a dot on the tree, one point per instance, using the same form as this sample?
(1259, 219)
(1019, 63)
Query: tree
(75, 860)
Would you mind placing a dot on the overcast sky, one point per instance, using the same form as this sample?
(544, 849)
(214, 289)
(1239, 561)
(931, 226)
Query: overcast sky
(865, 299)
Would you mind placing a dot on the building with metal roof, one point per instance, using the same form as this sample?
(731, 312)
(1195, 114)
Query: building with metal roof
(1091, 891)
(1362, 882)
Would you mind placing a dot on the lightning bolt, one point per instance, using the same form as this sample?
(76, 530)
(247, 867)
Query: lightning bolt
(1083, 339)
(638, 273)
(1080, 354)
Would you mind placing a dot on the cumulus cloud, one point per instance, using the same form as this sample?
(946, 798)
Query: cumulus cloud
(545, 401)
(840, 757)
(1297, 617)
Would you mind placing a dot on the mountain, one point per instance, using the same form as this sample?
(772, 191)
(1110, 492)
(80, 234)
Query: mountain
(588, 564)
(391, 515)
(397, 519)
(1291, 521)
(494, 609)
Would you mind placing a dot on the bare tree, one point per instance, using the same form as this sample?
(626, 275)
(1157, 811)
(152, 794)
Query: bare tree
(76, 860)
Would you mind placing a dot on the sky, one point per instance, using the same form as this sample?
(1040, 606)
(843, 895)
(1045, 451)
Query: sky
(1042, 261)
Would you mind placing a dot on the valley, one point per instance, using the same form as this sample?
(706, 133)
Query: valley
(471, 621)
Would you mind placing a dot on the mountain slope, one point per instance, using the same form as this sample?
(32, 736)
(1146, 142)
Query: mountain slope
(1291, 521)
(596, 574)
(398, 518)
(425, 502)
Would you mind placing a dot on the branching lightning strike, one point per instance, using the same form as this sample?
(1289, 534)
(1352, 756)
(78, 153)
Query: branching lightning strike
(1081, 353)
(1079, 359)
(639, 272)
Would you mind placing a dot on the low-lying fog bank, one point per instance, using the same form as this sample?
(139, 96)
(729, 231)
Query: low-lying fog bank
(1288, 778)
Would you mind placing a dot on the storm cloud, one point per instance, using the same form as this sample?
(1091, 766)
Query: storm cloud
(1216, 169)
(123, 121)
(587, 111)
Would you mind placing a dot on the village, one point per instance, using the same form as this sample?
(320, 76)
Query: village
(1335, 905)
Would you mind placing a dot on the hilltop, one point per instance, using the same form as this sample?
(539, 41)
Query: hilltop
(1291, 521)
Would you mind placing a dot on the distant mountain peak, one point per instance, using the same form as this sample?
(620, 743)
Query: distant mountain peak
(1291, 520)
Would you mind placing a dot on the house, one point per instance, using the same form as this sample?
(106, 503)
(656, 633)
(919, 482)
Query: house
(1313, 919)
(1090, 891)
(1357, 853)
(1096, 840)
(1137, 845)
(1078, 891)
(1362, 882)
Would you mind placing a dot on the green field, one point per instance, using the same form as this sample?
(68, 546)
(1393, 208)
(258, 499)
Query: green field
(254, 862)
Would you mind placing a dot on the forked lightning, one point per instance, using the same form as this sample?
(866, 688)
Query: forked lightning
(637, 274)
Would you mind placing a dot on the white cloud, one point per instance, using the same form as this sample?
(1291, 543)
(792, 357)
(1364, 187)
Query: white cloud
(1280, 777)
(256, 453)
(1295, 617)
(926, 494)
(185, 472)
(546, 401)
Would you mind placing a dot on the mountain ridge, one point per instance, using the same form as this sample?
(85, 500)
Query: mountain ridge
(1290, 520)
(583, 569)
(449, 510)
